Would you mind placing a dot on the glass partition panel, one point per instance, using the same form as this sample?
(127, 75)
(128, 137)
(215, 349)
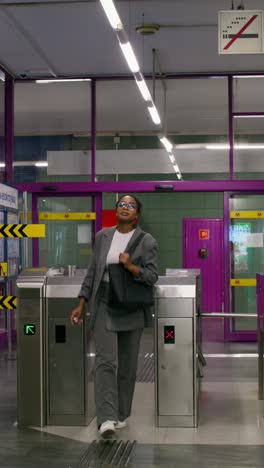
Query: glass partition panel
(49, 118)
(248, 129)
(247, 256)
(194, 113)
(248, 94)
(249, 148)
(68, 241)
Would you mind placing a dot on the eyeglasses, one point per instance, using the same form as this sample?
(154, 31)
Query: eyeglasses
(129, 205)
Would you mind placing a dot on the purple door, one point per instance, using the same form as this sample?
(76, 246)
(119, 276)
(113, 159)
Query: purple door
(203, 249)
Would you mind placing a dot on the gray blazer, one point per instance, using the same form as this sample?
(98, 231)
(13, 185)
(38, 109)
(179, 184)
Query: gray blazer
(145, 256)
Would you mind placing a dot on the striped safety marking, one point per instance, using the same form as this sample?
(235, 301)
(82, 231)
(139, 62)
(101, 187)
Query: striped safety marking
(247, 214)
(68, 216)
(243, 282)
(8, 302)
(22, 230)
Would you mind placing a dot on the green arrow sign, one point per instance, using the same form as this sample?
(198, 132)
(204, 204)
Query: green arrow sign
(29, 329)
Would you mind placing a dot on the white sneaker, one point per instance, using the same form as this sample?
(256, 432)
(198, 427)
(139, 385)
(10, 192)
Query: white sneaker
(120, 424)
(107, 429)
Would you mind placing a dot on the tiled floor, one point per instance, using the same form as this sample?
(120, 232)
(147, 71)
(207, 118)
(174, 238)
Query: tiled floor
(229, 414)
(230, 431)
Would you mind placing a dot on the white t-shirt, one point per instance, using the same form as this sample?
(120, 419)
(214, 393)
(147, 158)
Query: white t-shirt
(118, 246)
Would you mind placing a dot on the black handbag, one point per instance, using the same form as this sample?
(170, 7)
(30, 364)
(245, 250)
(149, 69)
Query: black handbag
(124, 291)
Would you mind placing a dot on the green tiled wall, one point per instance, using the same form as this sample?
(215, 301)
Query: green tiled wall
(163, 214)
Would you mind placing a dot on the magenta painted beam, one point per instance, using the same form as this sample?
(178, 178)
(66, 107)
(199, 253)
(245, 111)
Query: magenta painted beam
(98, 206)
(9, 128)
(226, 266)
(93, 131)
(35, 240)
(142, 186)
(230, 127)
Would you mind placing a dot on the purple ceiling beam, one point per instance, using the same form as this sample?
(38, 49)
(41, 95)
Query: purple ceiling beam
(142, 186)
(248, 114)
(169, 76)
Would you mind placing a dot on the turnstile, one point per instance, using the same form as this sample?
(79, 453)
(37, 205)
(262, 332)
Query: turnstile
(176, 369)
(55, 358)
(31, 391)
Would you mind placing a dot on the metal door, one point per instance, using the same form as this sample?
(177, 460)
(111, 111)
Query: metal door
(246, 231)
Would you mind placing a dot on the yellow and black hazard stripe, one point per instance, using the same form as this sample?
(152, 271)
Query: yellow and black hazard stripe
(22, 230)
(8, 302)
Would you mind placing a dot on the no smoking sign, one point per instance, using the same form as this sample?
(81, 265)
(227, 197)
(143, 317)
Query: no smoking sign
(240, 32)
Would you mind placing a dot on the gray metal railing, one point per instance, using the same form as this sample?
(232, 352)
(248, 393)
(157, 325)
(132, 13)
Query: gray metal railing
(260, 343)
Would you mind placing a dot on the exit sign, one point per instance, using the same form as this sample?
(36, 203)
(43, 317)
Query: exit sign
(29, 329)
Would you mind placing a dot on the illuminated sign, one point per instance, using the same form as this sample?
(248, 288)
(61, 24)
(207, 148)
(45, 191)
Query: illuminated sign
(169, 334)
(204, 234)
(29, 329)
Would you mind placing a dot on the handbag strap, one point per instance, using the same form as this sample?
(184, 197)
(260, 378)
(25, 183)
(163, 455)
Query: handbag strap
(134, 244)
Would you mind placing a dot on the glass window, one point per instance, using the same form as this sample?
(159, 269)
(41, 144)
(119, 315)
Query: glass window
(195, 114)
(49, 118)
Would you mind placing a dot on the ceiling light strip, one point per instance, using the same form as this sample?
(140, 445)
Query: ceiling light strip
(131, 59)
(62, 80)
(236, 146)
(112, 14)
(169, 147)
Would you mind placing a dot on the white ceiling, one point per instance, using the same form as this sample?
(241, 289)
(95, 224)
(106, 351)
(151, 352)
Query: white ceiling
(42, 38)
(76, 39)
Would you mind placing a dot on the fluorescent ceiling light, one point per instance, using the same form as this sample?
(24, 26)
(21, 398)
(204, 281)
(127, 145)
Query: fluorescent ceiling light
(2, 164)
(166, 143)
(130, 56)
(112, 15)
(154, 115)
(41, 164)
(67, 80)
(248, 76)
(217, 147)
(172, 158)
(179, 175)
(176, 167)
(241, 146)
(142, 86)
(252, 116)
(190, 146)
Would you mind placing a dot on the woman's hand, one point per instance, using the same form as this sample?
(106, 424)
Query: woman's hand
(124, 258)
(77, 313)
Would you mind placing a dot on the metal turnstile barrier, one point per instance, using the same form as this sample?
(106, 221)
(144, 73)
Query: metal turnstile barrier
(31, 319)
(70, 356)
(176, 356)
(183, 272)
(55, 359)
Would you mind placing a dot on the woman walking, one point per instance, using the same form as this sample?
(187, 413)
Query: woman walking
(117, 331)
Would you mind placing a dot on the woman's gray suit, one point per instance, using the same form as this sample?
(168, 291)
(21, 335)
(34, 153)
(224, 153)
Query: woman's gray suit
(117, 339)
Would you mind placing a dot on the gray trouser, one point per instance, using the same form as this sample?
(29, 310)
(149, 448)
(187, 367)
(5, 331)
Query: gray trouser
(115, 368)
